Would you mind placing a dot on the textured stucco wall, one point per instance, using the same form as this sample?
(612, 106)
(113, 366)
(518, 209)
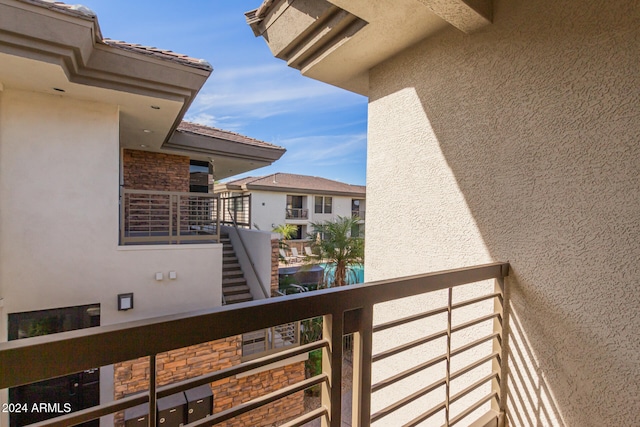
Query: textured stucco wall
(59, 173)
(520, 143)
(59, 220)
(267, 209)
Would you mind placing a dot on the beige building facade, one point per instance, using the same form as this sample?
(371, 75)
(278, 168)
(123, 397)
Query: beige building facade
(83, 120)
(502, 131)
(299, 200)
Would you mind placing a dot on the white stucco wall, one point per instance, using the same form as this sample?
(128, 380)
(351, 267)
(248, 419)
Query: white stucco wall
(59, 179)
(520, 143)
(268, 209)
(341, 206)
(59, 216)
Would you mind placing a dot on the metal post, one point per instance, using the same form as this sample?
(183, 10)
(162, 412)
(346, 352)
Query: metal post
(152, 390)
(504, 351)
(448, 373)
(123, 196)
(362, 350)
(337, 333)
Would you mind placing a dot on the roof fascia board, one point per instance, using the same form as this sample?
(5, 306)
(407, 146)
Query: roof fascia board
(304, 191)
(219, 147)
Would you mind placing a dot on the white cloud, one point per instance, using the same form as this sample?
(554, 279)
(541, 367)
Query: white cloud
(265, 91)
(327, 150)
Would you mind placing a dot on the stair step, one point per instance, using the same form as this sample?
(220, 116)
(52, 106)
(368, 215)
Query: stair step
(229, 267)
(235, 290)
(230, 260)
(233, 281)
(234, 299)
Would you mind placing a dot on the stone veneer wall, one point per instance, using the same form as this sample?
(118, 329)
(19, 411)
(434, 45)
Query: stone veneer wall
(132, 376)
(275, 262)
(144, 170)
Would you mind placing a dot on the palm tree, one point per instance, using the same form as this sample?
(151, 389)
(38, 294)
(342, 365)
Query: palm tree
(338, 247)
(287, 231)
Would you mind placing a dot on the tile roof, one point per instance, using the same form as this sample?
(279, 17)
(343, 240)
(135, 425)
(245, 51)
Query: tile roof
(160, 53)
(210, 131)
(84, 12)
(287, 181)
(71, 9)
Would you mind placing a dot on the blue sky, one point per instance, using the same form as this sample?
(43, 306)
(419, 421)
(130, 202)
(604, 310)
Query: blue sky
(250, 92)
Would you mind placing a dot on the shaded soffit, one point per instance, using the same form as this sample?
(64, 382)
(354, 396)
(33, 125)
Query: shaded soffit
(230, 152)
(58, 49)
(339, 41)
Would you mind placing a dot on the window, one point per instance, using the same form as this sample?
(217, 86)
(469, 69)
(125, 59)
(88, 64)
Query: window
(323, 204)
(300, 232)
(199, 176)
(294, 202)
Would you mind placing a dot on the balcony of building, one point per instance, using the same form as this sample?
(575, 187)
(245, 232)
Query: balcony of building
(459, 339)
(297, 213)
(171, 217)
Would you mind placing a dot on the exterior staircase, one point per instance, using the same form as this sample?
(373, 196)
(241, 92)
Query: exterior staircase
(234, 285)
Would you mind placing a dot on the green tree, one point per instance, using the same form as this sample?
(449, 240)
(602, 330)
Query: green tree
(334, 242)
(287, 231)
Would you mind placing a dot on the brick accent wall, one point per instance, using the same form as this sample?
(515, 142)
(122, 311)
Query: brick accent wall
(144, 170)
(133, 376)
(275, 263)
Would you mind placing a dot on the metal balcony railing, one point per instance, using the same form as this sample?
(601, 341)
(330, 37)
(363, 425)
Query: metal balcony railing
(236, 208)
(168, 217)
(346, 310)
(358, 214)
(297, 214)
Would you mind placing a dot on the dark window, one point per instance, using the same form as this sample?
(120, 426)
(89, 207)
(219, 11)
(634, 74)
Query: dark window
(199, 176)
(327, 204)
(294, 202)
(323, 204)
(80, 390)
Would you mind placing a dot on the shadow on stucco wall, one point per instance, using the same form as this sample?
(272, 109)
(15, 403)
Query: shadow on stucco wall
(536, 116)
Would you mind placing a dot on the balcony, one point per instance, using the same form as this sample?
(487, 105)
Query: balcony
(164, 217)
(358, 214)
(471, 393)
(297, 213)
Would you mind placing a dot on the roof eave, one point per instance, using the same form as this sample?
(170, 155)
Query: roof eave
(191, 142)
(339, 41)
(305, 191)
(32, 30)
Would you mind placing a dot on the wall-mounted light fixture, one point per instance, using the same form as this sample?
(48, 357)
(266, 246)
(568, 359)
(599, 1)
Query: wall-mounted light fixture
(125, 301)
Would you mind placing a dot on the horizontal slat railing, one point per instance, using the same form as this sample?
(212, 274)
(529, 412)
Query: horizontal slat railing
(168, 217)
(345, 310)
(297, 213)
(236, 211)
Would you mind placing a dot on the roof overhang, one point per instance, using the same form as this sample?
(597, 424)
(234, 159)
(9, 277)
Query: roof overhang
(294, 190)
(220, 188)
(229, 157)
(43, 47)
(339, 41)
